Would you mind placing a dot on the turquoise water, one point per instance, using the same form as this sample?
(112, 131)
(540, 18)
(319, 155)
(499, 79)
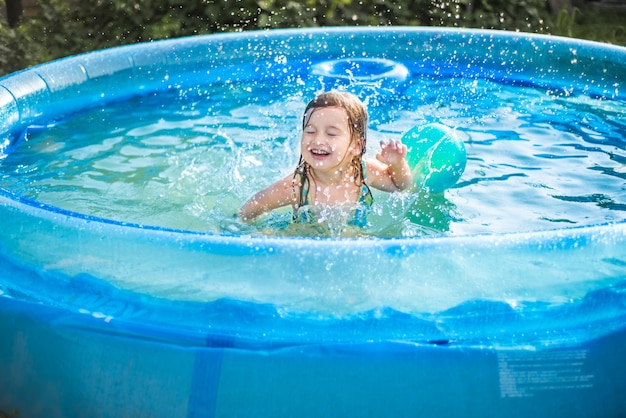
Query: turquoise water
(187, 159)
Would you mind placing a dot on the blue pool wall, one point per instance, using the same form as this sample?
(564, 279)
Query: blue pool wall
(82, 337)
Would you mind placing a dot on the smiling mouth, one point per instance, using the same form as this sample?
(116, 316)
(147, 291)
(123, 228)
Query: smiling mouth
(320, 153)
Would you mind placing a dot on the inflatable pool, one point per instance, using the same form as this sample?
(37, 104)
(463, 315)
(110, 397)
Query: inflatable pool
(116, 315)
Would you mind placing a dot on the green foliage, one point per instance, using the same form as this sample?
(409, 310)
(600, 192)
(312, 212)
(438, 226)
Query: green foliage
(70, 27)
(596, 25)
(565, 21)
(524, 15)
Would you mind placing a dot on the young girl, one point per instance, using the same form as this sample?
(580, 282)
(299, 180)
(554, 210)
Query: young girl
(331, 172)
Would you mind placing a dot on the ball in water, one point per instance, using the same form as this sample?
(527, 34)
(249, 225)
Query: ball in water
(436, 155)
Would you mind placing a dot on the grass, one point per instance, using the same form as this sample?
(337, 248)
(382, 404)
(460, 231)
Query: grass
(595, 23)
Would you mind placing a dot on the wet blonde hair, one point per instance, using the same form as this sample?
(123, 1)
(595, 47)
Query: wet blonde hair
(357, 123)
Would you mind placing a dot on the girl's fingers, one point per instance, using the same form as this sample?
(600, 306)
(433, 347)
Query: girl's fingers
(392, 145)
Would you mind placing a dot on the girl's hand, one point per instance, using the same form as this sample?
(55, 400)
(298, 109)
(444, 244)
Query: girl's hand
(392, 152)
(390, 170)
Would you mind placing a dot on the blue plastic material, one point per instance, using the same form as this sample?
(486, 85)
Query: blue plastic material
(103, 318)
(436, 156)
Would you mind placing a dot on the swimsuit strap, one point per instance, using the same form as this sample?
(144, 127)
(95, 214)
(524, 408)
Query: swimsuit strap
(304, 190)
(366, 197)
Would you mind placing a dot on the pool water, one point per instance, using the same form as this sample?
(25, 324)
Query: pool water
(187, 159)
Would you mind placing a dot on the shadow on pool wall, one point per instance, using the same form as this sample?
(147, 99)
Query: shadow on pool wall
(528, 323)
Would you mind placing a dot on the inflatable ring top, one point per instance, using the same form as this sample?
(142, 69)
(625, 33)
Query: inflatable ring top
(376, 72)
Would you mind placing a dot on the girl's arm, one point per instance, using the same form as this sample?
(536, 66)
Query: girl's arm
(390, 171)
(279, 194)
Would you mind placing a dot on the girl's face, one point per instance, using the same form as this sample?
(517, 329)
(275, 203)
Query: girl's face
(327, 143)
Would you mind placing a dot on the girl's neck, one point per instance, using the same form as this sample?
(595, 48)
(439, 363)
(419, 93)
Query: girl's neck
(330, 189)
(335, 179)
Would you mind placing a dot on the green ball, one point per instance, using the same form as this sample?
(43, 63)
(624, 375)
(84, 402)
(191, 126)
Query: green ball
(436, 155)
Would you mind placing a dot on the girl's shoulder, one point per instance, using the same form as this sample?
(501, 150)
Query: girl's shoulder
(289, 187)
(280, 193)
